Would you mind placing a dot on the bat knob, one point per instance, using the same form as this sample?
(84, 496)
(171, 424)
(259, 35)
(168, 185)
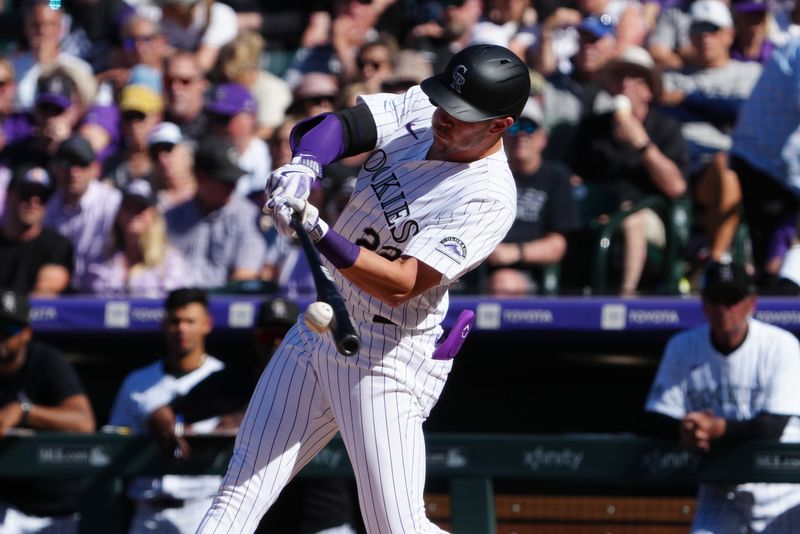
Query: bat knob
(349, 345)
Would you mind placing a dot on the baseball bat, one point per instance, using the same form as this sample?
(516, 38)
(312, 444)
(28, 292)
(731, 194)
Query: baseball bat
(344, 334)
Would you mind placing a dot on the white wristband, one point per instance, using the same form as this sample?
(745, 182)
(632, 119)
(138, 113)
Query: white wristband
(309, 162)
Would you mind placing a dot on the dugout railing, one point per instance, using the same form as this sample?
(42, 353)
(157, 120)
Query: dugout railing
(470, 462)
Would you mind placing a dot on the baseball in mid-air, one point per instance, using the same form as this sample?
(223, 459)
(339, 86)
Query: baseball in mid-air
(318, 316)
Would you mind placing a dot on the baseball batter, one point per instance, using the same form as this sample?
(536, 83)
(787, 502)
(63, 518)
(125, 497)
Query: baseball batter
(735, 379)
(433, 199)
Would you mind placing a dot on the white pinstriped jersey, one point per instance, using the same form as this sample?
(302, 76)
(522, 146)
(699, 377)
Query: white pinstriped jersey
(448, 215)
(760, 376)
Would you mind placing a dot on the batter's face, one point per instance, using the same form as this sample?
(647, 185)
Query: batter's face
(186, 329)
(459, 141)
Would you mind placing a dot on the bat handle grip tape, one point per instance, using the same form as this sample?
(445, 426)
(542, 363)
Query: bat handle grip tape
(341, 252)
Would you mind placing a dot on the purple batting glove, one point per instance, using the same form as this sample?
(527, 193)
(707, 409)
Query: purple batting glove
(447, 349)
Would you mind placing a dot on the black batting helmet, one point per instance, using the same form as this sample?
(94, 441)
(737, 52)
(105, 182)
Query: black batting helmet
(481, 82)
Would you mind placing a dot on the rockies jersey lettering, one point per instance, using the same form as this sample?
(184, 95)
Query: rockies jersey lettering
(447, 215)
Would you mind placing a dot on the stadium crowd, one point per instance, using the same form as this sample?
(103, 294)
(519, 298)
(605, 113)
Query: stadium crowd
(136, 137)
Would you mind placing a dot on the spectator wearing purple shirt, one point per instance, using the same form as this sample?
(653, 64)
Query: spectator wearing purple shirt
(217, 231)
(83, 209)
(138, 261)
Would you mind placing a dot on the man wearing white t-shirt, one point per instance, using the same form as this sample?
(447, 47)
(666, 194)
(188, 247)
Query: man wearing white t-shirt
(731, 380)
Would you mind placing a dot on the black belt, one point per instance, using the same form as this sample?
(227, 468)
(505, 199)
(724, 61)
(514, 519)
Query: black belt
(165, 502)
(381, 320)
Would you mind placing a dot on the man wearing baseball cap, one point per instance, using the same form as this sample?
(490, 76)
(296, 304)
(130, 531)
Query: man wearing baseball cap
(39, 390)
(731, 380)
(53, 118)
(546, 210)
(172, 165)
(568, 97)
(707, 99)
(141, 109)
(216, 230)
(83, 208)
(33, 259)
(630, 153)
(231, 112)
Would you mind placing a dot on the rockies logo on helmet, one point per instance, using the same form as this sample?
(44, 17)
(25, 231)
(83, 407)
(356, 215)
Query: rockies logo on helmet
(458, 78)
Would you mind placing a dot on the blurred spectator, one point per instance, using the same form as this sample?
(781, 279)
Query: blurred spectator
(101, 127)
(315, 94)
(765, 155)
(141, 108)
(83, 208)
(508, 23)
(185, 87)
(752, 40)
(732, 380)
(198, 26)
(285, 24)
(138, 261)
(375, 62)
(559, 41)
(546, 210)
(33, 259)
(54, 117)
(410, 69)
(668, 41)
(569, 97)
(13, 126)
(38, 390)
(231, 112)
(217, 231)
(172, 159)
(630, 153)
(43, 31)
(353, 26)
(443, 29)
(172, 503)
(94, 29)
(706, 98)
(143, 43)
(240, 62)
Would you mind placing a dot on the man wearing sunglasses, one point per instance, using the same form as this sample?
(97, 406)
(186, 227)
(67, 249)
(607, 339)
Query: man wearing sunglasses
(546, 210)
(83, 208)
(731, 380)
(33, 259)
(39, 390)
(706, 99)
